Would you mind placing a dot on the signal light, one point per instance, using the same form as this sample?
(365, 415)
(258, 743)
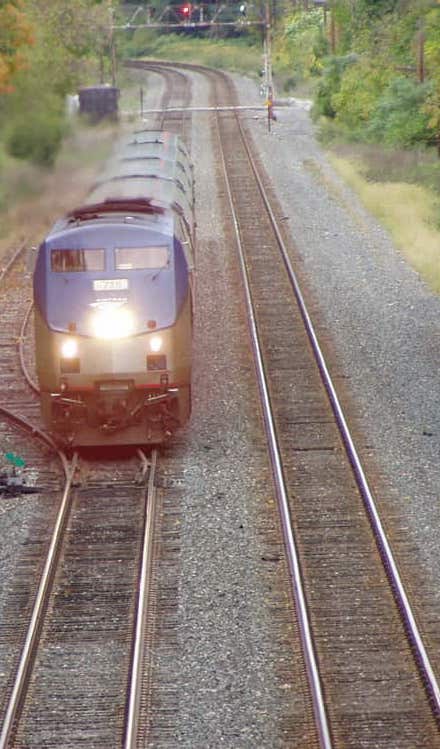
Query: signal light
(186, 10)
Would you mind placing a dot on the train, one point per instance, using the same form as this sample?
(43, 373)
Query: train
(113, 288)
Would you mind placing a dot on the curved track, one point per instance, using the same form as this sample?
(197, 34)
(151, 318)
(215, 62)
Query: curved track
(367, 663)
(89, 613)
(317, 438)
(309, 429)
(360, 652)
(177, 91)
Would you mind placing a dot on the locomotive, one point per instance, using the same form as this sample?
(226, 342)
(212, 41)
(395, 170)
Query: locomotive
(113, 295)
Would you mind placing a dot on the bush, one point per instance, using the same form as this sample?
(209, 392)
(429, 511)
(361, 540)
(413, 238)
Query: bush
(360, 88)
(400, 118)
(35, 138)
(330, 84)
(141, 42)
(299, 46)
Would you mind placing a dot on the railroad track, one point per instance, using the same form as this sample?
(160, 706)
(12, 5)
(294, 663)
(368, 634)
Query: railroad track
(80, 625)
(15, 281)
(367, 689)
(28, 490)
(359, 634)
(86, 613)
(177, 92)
(370, 677)
(79, 648)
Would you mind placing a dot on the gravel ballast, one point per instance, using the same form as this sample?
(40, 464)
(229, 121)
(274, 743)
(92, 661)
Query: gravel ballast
(232, 659)
(382, 322)
(228, 681)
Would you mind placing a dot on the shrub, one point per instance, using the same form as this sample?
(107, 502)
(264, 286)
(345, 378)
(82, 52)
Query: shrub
(300, 45)
(400, 117)
(142, 41)
(360, 88)
(35, 138)
(330, 84)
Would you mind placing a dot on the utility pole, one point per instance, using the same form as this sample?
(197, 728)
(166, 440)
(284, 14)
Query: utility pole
(267, 47)
(332, 31)
(112, 43)
(421, 54)
(268, 65)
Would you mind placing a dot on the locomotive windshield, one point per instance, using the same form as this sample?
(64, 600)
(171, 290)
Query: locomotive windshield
(141, 258)
(74, 261)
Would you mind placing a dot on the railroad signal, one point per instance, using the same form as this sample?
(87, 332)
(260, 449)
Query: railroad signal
(15, 460)
(186, 10)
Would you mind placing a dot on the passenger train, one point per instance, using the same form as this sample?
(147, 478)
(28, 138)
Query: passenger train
(114, 294)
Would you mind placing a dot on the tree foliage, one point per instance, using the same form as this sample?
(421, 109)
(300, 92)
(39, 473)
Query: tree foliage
(399, 117)
(382, 79)
(36, 139)
(70, 39)
(305, 41)
(360, 89)
(330, 84)
(16, 33)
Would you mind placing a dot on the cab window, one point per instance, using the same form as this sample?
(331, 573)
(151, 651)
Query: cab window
(141, 258)
(76, 261)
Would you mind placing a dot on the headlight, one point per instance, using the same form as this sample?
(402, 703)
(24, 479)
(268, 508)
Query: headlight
(69, 348)
(112, 322)
(156, 343)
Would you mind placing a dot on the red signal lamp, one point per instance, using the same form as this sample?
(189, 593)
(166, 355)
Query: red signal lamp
(185, 10)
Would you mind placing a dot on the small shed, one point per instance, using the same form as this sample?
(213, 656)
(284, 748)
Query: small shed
(98, 102)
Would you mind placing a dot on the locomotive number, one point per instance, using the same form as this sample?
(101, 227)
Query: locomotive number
(111, 284)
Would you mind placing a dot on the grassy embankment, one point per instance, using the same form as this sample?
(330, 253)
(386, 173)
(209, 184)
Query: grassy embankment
(402, 190)
(32, 197)
(239, 55)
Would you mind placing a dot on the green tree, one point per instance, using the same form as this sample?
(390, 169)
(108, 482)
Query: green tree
(360, 89)
(72, 35)
(432, 56)
(330, 84)
(303, 43)
(400, 118)
(70, 39)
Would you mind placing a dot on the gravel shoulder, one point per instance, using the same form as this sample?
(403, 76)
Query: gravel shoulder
(383, 323)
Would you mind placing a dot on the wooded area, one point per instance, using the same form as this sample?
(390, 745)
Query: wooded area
(376, 63)
(48, 48)
(374, 66)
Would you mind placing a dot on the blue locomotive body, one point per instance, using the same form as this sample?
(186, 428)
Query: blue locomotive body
(113, 302)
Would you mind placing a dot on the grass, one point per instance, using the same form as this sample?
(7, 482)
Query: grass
(409, 211)
(33, 197)
(415, 166)
(238, 55)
